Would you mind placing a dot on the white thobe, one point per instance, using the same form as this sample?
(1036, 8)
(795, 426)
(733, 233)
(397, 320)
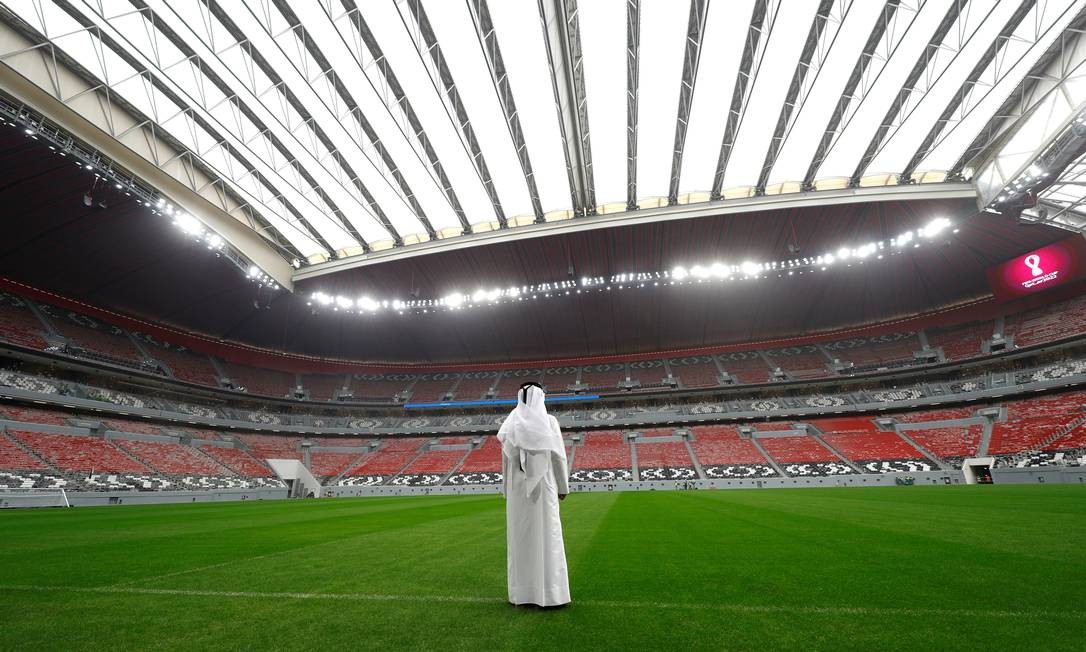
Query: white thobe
(536, 552)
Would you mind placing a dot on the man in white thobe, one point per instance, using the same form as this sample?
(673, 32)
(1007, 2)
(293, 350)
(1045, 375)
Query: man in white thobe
(535, 479)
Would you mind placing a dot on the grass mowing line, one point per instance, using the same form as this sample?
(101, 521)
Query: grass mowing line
(616, 604)
(279, 553)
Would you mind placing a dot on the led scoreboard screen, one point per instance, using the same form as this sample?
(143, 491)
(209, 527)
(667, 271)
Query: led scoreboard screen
(1040, 269)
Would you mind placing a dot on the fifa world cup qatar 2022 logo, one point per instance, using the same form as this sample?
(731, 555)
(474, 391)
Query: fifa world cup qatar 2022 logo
(1038, 270)
(1037, 273)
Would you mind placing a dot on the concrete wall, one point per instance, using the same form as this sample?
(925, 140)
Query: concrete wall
(1037, 475)
(1040, 475)
(89, 498)
(866, 480)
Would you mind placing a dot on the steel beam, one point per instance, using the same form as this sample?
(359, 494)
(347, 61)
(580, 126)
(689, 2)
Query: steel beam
(1033, 88)
(695, 33)
(865, 58)
(756, 30)
(499, 76)
(810, 46)
(562, 38)
(241, 106)
(299, 107)
(970, 81)
(358, 22)
(455, 106)
(633, 59)
(371, 134)
(873, 147)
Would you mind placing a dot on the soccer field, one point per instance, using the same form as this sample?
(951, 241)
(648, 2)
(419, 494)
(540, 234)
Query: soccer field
(886, 568)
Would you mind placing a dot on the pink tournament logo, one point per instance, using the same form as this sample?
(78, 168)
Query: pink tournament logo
(1038, 277)
(1033, 262)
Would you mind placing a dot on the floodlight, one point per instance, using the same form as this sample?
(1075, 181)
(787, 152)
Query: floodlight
(188, 224)
(934, 227)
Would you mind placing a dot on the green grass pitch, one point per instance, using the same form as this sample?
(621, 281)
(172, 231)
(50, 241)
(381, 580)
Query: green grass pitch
(875, 568)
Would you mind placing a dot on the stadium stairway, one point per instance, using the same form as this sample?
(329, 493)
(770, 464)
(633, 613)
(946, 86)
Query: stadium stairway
(813, 434)
(334, 482)
(1040, 446)
(422, 450)
(930, 456)
(694, 459)
(132, 456)
(768, 458)
(26, 449)
(456, 467)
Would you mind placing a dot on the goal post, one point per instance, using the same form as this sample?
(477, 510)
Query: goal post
(17, 497)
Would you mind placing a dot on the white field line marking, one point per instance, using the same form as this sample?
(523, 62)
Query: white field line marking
(200, 569)
(617, 604)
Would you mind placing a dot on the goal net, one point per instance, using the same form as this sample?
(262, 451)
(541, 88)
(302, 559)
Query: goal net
(33, 498)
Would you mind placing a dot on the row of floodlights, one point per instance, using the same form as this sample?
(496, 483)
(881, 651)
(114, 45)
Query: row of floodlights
(678, 275)
(195, 229)
(185, 222)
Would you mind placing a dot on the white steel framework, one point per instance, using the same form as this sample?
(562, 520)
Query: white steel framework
(338, 129)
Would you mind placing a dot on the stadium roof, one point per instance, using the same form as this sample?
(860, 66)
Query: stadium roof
(111, 252)
(335, 129)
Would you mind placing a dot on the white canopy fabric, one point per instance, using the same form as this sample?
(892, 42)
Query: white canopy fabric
(353, 126)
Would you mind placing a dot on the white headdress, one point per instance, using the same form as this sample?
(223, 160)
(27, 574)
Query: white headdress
(529, 428)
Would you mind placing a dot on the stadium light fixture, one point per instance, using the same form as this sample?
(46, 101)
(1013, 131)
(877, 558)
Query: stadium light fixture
(366, 303)
(715, 272)
(935, 227)
(188, 224)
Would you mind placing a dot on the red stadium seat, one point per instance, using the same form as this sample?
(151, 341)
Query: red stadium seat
(237, 460)
(485, 458)
(172, 458)
(602, 450)
(79, 453)
(18, 325)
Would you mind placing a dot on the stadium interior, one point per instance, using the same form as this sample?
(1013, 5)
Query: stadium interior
(846, 316)
(268, 250)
